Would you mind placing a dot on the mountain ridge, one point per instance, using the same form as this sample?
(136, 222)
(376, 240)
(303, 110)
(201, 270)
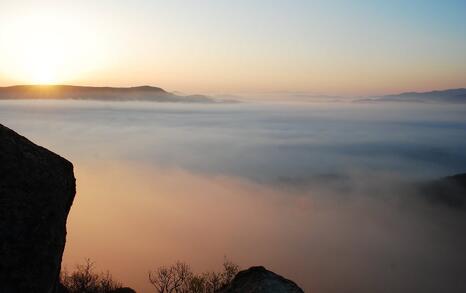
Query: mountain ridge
(71, 92)
(455, 95)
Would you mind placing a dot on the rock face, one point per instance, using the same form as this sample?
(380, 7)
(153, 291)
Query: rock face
(260, 280)
(37, 188)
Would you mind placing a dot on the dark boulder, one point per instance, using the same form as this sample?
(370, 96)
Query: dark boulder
(37, 188)
(260, 280)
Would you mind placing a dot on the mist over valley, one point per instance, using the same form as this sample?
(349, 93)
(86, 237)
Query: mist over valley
(320, 192)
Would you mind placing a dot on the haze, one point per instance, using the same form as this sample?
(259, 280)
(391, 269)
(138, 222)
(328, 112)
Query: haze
(312, 191)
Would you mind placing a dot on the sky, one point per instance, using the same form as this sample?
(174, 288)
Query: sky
(348, 48)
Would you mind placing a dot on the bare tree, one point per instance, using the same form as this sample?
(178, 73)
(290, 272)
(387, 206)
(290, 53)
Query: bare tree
(107, 284)
(85, 280)
(161, 279)
(230, 270)
(179, 278)
(197, 284)
(171, 279)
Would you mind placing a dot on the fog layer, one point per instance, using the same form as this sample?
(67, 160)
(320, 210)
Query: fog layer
(317, 193)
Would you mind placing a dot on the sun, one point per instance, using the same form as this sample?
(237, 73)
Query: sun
(42, 48)
(39, 50)
(42, 63)
(36, 52)
(43, 75)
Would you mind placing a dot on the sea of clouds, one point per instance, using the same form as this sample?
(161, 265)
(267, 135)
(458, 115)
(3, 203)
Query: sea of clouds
(320, 193)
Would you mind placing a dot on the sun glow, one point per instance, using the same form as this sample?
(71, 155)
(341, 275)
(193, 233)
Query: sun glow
(42, 64)
(43, 48)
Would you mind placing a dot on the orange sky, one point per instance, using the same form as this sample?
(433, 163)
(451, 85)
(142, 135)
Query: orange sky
(246, 46)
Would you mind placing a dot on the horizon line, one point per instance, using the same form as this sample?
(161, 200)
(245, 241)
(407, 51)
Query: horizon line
(229, 93)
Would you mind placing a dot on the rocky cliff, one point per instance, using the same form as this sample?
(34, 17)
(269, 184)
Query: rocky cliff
(37, 188)
(260, 280)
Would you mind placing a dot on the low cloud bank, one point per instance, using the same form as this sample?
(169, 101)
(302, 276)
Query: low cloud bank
(374, 236)
(322, 194)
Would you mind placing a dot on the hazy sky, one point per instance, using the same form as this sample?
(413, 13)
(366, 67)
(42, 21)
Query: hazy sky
(332, 47)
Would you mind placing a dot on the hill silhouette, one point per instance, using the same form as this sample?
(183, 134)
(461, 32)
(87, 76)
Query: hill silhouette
(70, 92)
(455, 96)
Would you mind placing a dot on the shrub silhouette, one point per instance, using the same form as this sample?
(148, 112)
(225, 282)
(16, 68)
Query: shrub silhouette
(84, 280)
(179, 278)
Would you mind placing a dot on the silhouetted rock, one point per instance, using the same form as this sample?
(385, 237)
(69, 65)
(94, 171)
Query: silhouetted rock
(260, 280)
(37, 188)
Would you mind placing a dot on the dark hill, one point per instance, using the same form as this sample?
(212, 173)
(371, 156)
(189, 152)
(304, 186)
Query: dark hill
(69, 92)
(455, 96)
